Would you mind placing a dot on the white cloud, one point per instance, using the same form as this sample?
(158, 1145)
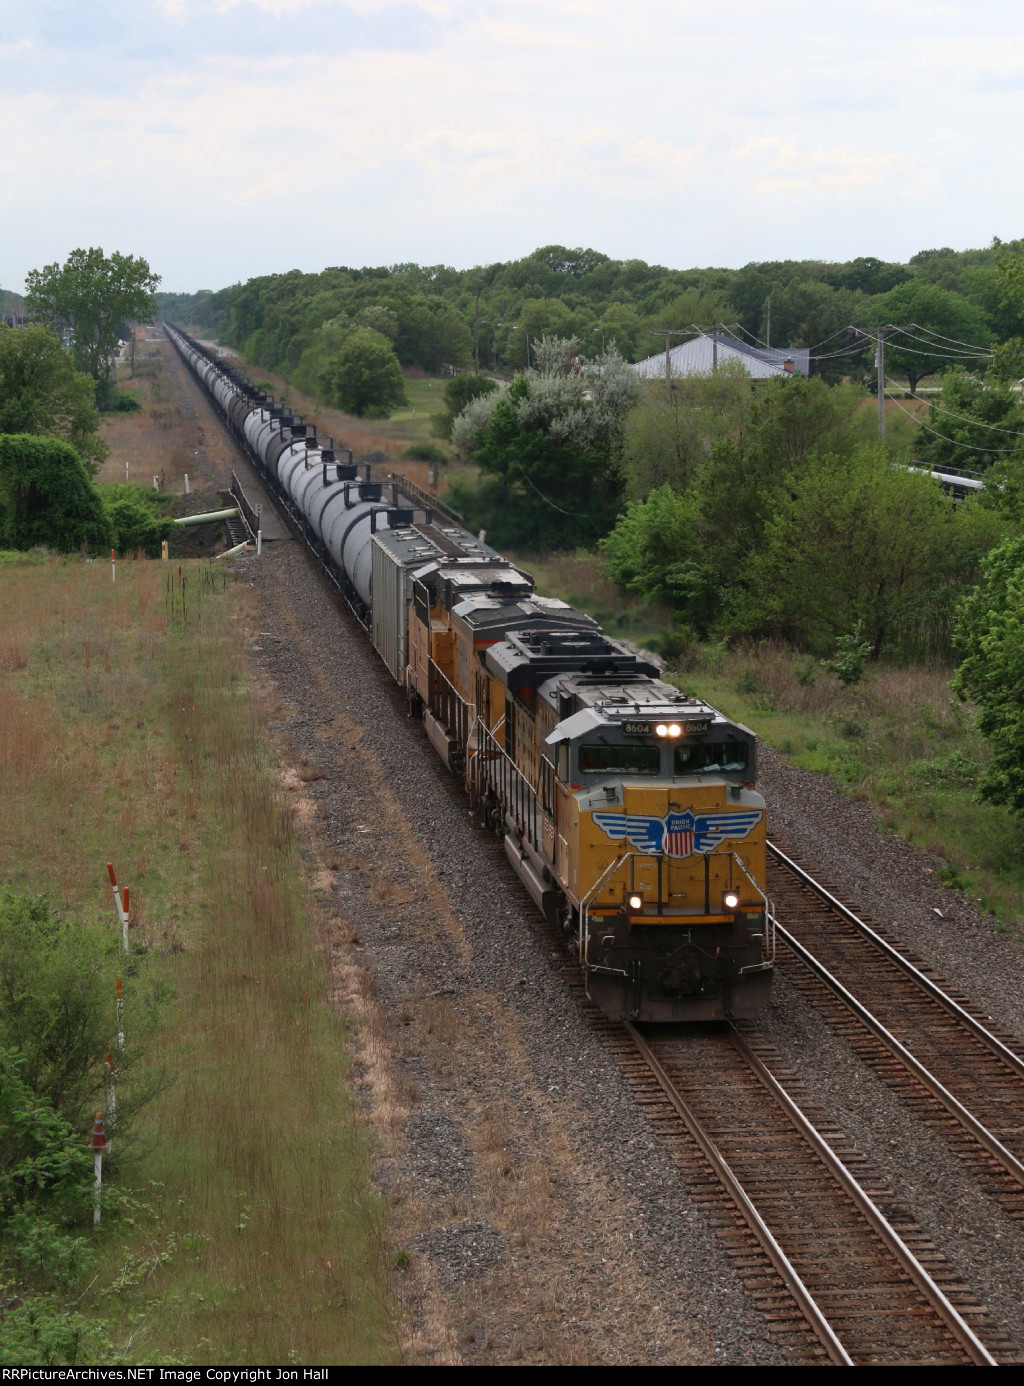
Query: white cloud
(678, 132)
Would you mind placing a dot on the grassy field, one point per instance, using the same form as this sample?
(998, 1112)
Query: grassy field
(898, 738)
(242, 1228)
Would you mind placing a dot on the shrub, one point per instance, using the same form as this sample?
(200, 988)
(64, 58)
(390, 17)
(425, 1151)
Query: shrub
(137, 517)
(46, 497)
(426, 452)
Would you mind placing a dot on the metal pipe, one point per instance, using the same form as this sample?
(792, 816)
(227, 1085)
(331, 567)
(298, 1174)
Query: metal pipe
(209, 518)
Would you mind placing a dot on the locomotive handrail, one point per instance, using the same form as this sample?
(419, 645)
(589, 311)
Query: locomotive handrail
(449, 706)
(495, 768)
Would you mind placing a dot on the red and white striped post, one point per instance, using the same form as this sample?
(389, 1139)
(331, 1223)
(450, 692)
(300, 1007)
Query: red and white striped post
(119, 994)
(122, 905)
(99, 1145)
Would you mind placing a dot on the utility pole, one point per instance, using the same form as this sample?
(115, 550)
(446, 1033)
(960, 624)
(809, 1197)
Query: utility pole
(476, 332)
(768, 328)
(880, 364)
(668, 333)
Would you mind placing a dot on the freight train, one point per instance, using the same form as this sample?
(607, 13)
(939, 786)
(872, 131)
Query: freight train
(629, 811)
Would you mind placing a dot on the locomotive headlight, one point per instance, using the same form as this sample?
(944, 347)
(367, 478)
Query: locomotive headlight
(635, 902)
(661, 729)
(675, 729)
(731, 899)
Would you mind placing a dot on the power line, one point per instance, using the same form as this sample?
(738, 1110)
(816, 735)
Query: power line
(968, 418)
(956, 340)
(970, 447)
(936, 350)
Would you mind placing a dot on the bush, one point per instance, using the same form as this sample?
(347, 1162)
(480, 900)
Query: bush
(137, 517)
(47, 497)
(57, 1001)
(426, 452)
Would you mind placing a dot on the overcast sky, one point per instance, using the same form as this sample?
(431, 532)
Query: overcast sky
(226, 138)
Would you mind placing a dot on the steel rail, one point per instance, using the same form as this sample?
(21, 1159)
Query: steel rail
(808, 1307)
(947, 1312)
(981, 1133)
(965, 1018)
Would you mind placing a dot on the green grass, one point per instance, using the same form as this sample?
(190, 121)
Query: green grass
(243, 1228)
(898, 739)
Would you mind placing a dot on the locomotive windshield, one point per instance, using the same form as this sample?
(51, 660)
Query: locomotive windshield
(620, 760)
(696, 757)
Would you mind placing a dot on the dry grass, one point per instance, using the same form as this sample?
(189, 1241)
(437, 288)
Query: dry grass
(129, 734)
(154, 441)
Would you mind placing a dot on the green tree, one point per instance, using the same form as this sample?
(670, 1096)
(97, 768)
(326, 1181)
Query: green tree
(660, 548)
(94, 297)
(990, 632)
(41, 392)
(47, 496)
(548, 447)
(670, 433)
(458, 392)
(936, 328)
(857, 540)
(363, 376)
(979, 423)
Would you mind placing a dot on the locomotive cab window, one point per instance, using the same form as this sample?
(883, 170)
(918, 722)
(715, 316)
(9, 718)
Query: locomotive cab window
(620, 760)
(695, 757)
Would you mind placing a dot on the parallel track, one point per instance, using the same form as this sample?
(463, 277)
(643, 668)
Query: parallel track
(869, 1283)
(924, 1041)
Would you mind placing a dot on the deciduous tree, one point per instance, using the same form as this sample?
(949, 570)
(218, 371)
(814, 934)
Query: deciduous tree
(94, 297)
(363, 375)
(41, 392)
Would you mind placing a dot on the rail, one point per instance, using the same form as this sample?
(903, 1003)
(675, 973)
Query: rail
(926, 1285)
(935, 992)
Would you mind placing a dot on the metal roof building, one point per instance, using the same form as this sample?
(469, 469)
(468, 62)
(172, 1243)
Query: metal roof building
(699, 354)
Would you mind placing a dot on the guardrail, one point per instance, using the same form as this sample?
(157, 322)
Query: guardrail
(252, 515)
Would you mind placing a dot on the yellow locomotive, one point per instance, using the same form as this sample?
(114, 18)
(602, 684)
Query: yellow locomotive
(628, 809)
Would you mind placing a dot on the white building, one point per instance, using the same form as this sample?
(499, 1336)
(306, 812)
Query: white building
(701, 354)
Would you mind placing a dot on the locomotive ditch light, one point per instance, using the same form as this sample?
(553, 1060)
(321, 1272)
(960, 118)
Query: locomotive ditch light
(661, 729)
(675, 729)
(731, 899)
(635, 901)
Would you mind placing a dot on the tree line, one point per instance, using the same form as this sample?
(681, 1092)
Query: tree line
(489, 317)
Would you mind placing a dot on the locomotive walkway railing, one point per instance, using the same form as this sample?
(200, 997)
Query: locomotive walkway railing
(451, 709)
(493, 769)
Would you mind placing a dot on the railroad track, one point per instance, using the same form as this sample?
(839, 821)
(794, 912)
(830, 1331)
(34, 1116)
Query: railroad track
(922, 1038)
(840, 1271)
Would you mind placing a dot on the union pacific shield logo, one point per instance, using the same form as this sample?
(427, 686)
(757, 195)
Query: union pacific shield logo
(678, 834)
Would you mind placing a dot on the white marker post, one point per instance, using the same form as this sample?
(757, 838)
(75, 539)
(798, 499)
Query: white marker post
(122, 906)
(113, 571)
(126, 472)
(99, 1145)
(111, 1094)
(119, 996)
(186, 484)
